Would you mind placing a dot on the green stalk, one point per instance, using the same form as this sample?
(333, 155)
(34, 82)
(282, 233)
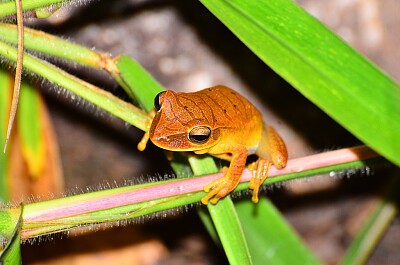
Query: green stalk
(91, 93)
(8, 8)
(50, 45)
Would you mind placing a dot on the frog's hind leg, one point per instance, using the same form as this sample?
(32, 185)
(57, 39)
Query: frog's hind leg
(271, 150)
(259, 170)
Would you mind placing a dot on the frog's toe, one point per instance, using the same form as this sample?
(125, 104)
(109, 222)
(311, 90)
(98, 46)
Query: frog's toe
(206, 198)
(217, 190)
(209, 187)
(216, 195)
(254, 198)
(215, 200)
(211, 192)
(259, 174)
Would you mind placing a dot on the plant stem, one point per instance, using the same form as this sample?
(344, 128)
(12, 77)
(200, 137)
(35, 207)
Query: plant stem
(132, 201)
(91, 93)
(8, 8)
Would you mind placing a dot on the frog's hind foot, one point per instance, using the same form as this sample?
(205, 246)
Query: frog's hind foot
(259, 170)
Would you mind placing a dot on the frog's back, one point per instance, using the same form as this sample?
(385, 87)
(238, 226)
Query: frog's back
(226, 108)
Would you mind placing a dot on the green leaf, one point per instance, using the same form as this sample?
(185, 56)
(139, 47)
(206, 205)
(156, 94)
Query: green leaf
(137, 82)
(321, 66)
(8, 8)
(6, 86)
(10, 226)
(224, 217)
(271, 240)
(12, 253)
(29, 129)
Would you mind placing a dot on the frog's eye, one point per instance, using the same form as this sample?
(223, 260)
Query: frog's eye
(199, 134)
(157, 103)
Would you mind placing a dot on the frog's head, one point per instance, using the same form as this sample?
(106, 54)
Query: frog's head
(182, 123)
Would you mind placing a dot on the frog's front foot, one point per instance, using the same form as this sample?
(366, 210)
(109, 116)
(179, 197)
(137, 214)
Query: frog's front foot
(142, 144)
(219, 188)
(259, 171)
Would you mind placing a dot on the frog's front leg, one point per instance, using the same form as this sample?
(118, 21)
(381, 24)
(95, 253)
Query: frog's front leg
(224, 185)
(143, 142)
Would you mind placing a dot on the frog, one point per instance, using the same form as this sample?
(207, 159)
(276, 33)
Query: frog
(220, 122)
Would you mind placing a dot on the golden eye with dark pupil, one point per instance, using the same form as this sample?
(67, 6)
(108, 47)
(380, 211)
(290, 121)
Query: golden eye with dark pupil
(199, 134)
(157, 104)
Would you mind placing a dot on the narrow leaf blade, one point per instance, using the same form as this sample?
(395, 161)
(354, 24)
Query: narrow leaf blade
(375, 225)
(226, 221)
(30, 131)
(5, 96)
(10, 227)
(137, 81)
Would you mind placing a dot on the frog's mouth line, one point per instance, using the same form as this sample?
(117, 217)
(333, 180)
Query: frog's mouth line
(179, 142)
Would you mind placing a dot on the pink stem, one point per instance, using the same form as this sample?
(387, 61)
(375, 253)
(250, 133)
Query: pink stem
(180, 187)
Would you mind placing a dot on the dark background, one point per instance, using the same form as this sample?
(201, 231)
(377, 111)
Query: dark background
(186, 49)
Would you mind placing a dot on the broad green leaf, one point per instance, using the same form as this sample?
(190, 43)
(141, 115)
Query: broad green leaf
(321, 66)
(271, 240)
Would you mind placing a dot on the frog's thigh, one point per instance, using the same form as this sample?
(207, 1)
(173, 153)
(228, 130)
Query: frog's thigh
(273, 147)
(259, 170)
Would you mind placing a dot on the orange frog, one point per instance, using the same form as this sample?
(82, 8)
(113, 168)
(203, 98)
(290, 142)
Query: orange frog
(220, 122)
